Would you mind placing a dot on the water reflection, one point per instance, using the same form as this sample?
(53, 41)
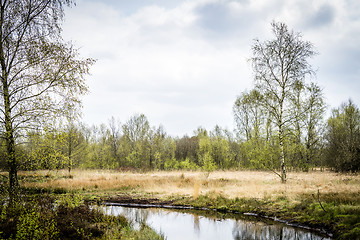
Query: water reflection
(202, 225)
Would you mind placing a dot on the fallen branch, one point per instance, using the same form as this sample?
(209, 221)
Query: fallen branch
(272, 170)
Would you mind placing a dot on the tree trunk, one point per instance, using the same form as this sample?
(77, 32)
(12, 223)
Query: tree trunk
(69, 151)
(9, 131)
(10, 142)
(150, 160)
(282, 156)
(13, 180)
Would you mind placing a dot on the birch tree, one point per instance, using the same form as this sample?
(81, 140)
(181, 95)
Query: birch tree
(41, 74)
(278, 64)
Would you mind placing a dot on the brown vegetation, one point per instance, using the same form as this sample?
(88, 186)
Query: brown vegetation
(230, 184)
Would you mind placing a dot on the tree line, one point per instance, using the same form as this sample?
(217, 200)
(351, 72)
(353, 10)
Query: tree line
(254, 144)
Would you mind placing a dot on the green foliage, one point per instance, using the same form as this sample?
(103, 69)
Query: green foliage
(30, 219)
(260, 154)
(343, 138)
(205, 154)
(153, 149)
(187, 165)
(133, 158)
(44, 150)
(208, 162)
(170, 163)
(220, 152)
(352, 234)
(70, 201)
(32, 225)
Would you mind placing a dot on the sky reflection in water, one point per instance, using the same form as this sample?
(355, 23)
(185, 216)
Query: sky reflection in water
(176, 225)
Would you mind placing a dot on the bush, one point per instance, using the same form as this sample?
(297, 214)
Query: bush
(44, 218)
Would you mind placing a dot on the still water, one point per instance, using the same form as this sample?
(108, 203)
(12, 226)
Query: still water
(174, 225)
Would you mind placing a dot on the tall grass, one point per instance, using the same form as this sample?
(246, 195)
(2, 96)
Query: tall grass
(231, 184)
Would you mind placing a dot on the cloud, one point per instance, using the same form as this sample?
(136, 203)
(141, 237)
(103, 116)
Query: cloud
(322, 16)
(216, 17)
(182, 63)
(231, 21)
(154, 61)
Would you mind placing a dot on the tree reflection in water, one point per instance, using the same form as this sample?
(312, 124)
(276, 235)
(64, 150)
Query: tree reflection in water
(258, 230)
(189, 225)
(196, 224)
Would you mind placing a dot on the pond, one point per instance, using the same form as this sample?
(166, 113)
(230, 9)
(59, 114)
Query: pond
(200, 224)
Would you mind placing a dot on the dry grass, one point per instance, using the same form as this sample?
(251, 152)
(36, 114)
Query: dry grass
(243, 184)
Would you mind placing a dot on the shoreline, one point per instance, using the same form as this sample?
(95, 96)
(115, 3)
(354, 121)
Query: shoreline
(128, 201)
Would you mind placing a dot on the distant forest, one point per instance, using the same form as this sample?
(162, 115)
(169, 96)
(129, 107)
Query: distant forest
(309, 143)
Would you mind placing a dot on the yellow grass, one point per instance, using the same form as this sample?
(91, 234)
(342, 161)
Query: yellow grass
(243, 184)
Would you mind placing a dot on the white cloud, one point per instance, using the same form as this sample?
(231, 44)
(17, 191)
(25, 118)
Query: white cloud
(182, 66)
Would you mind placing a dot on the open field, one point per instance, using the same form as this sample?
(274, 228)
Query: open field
(230, 184)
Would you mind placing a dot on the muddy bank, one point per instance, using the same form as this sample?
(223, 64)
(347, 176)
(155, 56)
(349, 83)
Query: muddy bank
(128, 199)
(140, 202)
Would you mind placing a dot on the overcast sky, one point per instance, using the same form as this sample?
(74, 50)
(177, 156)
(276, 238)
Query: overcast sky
(183, 63)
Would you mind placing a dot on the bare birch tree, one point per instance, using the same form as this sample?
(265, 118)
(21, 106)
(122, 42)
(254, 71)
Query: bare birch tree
(278, 64)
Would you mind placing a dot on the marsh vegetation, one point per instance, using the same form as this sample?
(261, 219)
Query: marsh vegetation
(319, 199)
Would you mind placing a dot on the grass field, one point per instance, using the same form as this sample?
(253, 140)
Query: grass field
(325, 200)
(230, 184)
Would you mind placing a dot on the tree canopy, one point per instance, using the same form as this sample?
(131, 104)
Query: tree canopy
(42, 76)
